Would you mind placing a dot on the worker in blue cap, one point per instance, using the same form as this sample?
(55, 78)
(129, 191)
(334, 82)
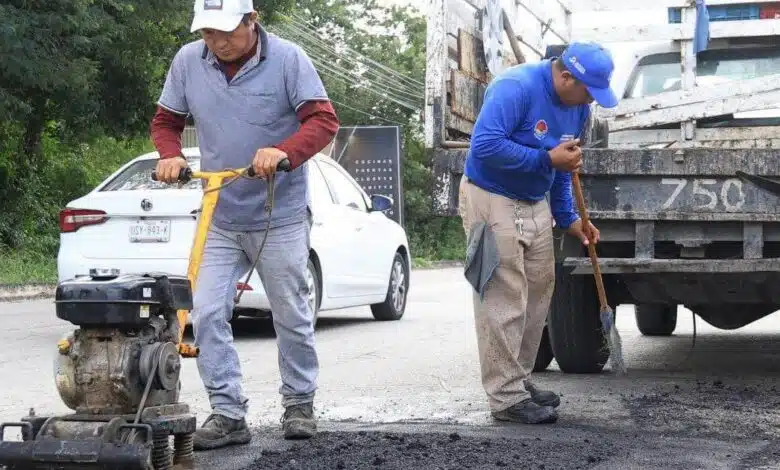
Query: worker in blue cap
(524, 146)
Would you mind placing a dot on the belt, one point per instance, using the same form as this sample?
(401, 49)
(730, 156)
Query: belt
(526, 201)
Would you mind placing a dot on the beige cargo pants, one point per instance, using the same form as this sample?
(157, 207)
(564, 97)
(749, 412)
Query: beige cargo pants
(510, 319)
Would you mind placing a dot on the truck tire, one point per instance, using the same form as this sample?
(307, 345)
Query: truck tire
(576, 337)
(545, 354)
(656, 320)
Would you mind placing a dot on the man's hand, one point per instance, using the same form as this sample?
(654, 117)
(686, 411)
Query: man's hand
(168, 169)
(587, 234)
(266, 160)
(567, 156)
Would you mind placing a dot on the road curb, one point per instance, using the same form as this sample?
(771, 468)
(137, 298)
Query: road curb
(16, 293)
(22, 292)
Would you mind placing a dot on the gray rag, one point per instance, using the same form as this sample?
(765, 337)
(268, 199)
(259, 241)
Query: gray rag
(481, 257)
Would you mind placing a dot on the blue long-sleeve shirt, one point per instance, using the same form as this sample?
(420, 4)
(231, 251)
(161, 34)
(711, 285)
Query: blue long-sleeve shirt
(520, 120)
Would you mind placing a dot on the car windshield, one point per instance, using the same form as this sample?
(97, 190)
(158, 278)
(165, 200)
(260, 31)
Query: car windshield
(138, 176)
(661, 72)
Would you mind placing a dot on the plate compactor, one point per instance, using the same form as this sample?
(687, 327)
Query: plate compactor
(119, 371)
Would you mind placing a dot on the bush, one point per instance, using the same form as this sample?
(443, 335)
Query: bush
(31, 205)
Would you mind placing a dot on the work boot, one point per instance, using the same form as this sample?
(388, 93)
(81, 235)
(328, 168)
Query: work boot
(542, 397)
(527, 412)
(220, 431)
(298, 421)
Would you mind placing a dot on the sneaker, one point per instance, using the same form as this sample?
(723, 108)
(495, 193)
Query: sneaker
(220, 431)
(527, 412)
(298, 422)
(542, 397)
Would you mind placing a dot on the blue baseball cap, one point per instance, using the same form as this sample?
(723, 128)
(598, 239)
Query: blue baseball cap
(592, 64)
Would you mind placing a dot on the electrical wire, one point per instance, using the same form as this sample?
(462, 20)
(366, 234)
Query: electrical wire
(338, 76)
(269, 207)
(366, 113)
(412, 82)
(341, 75)
(301, 30)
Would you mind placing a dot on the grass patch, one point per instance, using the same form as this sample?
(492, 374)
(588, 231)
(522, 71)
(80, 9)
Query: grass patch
(27, 267)
(421, 263)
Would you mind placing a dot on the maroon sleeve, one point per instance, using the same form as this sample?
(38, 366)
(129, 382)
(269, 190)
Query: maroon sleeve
(319, 124)
(166, 130)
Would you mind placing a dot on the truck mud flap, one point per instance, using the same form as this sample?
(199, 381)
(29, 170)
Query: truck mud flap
(66, 454)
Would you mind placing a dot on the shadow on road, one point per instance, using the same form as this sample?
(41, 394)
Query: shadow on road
(721, 353)
(253, 328)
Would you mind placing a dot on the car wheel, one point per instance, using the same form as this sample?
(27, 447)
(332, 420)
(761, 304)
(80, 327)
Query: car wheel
(313, 282)
(395, 301)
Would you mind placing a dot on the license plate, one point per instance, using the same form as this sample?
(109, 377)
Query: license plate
(150, 231)
(659, 194)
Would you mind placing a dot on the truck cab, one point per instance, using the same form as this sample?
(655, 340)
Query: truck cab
(656, 70)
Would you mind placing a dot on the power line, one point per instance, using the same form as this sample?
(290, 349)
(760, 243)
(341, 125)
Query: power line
(329, 74)
(367, 113)
(300, 34)
(335, 73)
(326, 63)
(412, 81)
(385, 70)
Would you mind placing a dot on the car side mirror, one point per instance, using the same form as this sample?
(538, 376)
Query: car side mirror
(380, 203)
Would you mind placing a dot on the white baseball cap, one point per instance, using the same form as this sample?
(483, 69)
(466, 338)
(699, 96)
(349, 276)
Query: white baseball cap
(222, 15)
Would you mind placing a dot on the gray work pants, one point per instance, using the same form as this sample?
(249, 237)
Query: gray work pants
(282, 270)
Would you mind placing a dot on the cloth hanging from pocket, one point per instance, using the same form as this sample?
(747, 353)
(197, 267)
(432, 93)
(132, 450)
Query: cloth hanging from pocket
(481, 257)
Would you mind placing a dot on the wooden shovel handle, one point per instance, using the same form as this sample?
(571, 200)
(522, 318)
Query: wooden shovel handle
(591, 247)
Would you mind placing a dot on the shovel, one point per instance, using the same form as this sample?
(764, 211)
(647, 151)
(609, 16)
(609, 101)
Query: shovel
(607, 315)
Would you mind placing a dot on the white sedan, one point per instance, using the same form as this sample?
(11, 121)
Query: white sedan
(359, 256)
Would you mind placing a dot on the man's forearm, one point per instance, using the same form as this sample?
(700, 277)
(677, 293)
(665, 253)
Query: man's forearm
(166, 130)
(319, 125)
(561, 200)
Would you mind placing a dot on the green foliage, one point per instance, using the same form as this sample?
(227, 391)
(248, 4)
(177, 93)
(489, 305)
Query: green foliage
(89, 65)
(374, 72)
(73, 71)
(79, 80)
(26, 267)
(66, 172)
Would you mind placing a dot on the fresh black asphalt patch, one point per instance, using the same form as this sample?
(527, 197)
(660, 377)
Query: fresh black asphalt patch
(438, 446)
(688, 425)
(393, 451)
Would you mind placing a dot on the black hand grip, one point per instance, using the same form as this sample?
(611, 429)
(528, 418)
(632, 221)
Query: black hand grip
(185, 175)
(283, 165)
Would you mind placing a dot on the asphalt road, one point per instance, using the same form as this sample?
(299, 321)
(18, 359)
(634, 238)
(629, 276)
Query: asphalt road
(412, 387)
